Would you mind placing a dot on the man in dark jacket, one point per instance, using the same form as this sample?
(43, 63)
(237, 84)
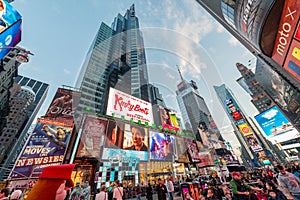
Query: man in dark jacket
(161, 190)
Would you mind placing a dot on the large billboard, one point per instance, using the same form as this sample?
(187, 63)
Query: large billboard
(10, 27)
(276, 126)
(162, 147)
(92, 137)
(286, 50)
(46, 146)
(193, 150)
(168, 119)
(63, 106)
(127, 139)
(121, 105)
(181, 150)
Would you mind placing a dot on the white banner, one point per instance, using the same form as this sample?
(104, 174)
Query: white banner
(122, 104)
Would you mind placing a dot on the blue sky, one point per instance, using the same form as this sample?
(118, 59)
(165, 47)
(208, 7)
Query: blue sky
(180, 32)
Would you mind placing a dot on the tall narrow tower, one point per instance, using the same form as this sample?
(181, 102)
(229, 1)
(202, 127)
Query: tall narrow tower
(116, 59)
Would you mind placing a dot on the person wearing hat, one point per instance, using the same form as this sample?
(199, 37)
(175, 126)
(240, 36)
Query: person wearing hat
(52, 183)
(239, 189)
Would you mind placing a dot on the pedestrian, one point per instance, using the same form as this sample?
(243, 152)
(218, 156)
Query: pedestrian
(289, 182)
(16, 195)
(76, 192)
(187, 196)
(240, 190)
(161, 190)
(273, 192)
(149, 192)
(118, 191)
(102, 195)
(170, 188)
(4, 194)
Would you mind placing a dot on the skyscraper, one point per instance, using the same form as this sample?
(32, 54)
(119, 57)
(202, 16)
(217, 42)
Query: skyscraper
(116, 59)
(27, 96)
(194, 110)
(265, 28)
(260, 99)
(243, 130)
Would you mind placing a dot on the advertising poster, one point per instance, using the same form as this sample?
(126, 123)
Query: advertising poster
(129, 138)
(121, 105)
(120, 155)
(185, 189)
(162, 147)
(244, 129)
(292, 63)
(276, 126)
(206, 159)
(168, 119)
(254, 144)
(92, 137)
(192, 149)
(63, 106)
(181, 150)
(46, 146)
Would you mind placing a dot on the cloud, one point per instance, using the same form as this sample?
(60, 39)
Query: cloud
(66, 71)
(233, 41)
(269, 115)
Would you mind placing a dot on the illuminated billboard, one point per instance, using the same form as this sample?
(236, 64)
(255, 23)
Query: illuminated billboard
(192, 149)
(124, 138)
(206, 159)
(92, 137)
(46, 146)
(162, 147)
(10, 27)
(181, 150)
(244, 129)
(276, 126)
(168, 119)
(124, 105)
(63, 106)
(286, 50)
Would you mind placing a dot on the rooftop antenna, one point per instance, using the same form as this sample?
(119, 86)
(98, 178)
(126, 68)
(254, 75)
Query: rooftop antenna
(180, 74)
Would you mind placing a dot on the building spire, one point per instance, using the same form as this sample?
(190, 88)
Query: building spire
(180, 74)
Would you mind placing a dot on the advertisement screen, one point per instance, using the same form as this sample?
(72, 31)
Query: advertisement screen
(46, 146)
(168, 119)
(92, 137)
(206, 159)
(181, 150)
(10, 37)
(193, 151)
(130, 138)
(276, 126)
(63, 106)
(254, 144)
(244, 128)
(124, 105)
(162, 147)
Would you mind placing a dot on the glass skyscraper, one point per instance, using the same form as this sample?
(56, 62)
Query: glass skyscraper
(115, 59)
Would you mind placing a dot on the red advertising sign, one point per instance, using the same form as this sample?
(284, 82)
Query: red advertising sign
(292, 63)
(289, 18)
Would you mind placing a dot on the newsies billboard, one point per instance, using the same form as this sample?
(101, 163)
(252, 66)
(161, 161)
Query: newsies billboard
(122, 105)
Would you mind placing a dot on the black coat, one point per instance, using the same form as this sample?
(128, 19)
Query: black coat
(161, 192)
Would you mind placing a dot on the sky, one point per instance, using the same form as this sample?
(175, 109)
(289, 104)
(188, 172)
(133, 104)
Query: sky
(179, 32)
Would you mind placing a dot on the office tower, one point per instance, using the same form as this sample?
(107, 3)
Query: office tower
(116, 59)
(27, 96)
(260, 99)
(8, 70)
(286, 96)
(193, 108)
(244, 132)
(266, 28)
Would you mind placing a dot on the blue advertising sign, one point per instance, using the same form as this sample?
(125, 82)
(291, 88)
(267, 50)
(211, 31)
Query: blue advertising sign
(46, 146)
(10, 38)
(273, 121)
(120, 155)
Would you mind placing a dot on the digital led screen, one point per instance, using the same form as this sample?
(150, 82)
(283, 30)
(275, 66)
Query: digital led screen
(92, 137)
(162, 147)
(193, 150)
(124, 137)
(168, 119)
(181, 150)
